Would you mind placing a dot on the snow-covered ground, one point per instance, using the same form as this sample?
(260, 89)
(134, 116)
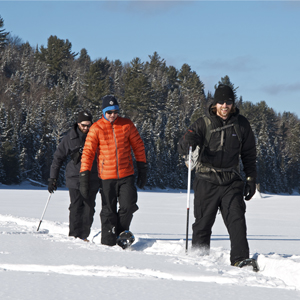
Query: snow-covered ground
(50, 265)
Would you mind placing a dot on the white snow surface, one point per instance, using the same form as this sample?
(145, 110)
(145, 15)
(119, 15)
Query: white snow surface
(48, 264)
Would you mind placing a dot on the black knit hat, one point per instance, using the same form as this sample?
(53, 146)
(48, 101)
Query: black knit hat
(84, 116)
(222, 93)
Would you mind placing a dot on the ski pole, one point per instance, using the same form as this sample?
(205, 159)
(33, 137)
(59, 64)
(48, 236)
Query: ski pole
(95, 236)
(188, 199)
(44, 212)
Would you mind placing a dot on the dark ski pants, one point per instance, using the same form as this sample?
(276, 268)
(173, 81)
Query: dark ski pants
(81, 213)
(208, 199)
(119, 198)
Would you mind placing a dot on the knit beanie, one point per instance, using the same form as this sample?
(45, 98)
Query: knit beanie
(84, 116)
(222, 93)
(109, 102)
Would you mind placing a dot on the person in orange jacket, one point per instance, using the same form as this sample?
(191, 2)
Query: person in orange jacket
(111, 138)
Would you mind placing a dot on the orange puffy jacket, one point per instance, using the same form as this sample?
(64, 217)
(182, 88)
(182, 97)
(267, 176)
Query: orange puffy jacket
(113, 143)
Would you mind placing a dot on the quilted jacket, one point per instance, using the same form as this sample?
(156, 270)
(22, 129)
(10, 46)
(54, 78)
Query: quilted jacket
(113, 143)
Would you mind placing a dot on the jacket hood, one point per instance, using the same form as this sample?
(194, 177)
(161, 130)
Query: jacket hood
(73, 131)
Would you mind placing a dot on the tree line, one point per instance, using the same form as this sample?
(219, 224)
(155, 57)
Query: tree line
(43, 88)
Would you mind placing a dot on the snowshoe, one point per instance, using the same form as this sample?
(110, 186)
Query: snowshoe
(248, 262)
(125, 239)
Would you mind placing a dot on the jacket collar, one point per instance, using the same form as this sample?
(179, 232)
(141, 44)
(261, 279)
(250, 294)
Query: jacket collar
(108, 122)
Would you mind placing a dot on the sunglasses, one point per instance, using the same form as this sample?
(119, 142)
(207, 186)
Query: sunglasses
(110, 112)
(228, 102)
(86, 126)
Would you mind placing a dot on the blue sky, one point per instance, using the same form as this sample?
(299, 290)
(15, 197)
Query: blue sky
(255, 43)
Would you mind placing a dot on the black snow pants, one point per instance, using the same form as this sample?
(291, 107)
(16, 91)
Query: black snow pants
(119, 198)
(229, 198)
(81, 213)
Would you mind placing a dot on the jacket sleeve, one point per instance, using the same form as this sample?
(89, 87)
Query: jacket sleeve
(137, 144)
(59, 157)
(248, 151)
(195, 133)
(89, 149)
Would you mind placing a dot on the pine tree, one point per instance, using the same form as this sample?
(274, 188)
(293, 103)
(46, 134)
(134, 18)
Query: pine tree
(3, 121)
(98, 83)
(292, 150)
(138, 96)
(160, 150)
(57, 55)
(10, 148)
(192, 93)
(84, 59)
(172, 78)
(157, 72)
(3, 34)
(117, 71)
(172, 135)
(146, 133)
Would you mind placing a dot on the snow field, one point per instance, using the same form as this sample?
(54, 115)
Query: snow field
(158, 255)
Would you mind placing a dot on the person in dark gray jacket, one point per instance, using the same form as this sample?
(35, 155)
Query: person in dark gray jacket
(222, 137)
(82, 210)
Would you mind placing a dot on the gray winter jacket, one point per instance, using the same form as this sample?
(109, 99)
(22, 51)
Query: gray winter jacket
(72, 145)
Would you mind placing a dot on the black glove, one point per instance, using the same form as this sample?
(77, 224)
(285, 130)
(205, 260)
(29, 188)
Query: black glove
(250, 188)
(84, 184)
(142, 174)
(52, 185)
(190, 139)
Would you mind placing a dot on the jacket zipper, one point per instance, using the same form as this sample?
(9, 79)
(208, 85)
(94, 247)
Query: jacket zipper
(116, 150)
(131, 166)
(102, 166)
(222, 141)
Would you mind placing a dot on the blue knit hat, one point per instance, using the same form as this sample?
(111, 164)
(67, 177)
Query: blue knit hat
(109, 102)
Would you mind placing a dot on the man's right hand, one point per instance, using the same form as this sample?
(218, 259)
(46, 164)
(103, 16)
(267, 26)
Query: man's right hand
(190, 139)
(52, 185)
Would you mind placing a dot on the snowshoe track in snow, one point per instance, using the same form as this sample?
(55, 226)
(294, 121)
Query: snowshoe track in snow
(279, 271)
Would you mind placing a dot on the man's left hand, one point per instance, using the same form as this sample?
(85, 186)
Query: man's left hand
(142, 174)
(249, 188)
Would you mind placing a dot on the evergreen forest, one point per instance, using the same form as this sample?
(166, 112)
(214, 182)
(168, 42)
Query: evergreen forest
(43, 88)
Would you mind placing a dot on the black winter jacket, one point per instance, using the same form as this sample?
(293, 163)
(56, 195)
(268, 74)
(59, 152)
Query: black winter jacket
(72, 144)
(225, 157)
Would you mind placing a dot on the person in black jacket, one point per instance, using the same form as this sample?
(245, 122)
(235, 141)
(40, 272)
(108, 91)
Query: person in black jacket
(222, 137)
(81, 210)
